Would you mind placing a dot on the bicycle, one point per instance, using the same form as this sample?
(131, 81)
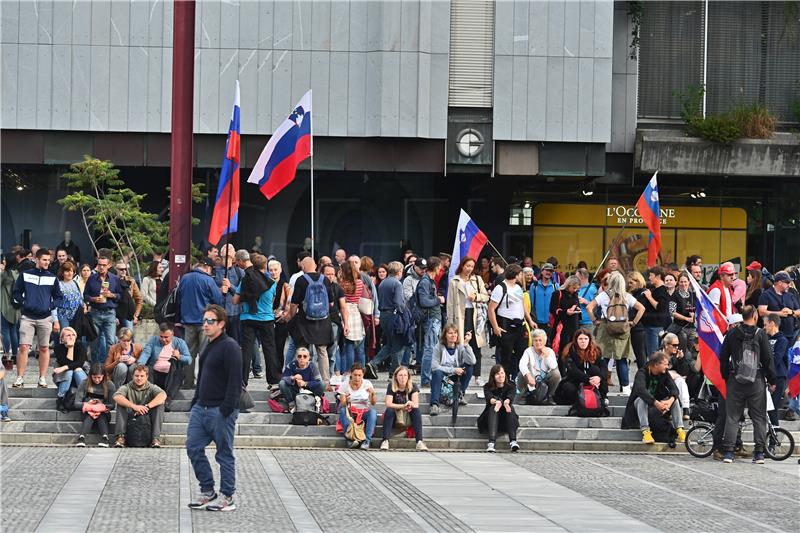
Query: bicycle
(700, 440)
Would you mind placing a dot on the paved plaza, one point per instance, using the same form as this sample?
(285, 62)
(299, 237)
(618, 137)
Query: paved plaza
(98, 490)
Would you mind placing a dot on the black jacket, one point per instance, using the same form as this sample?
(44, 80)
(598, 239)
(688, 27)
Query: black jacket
(219, 380)
(662, 388)
(578, 373)
(731, 352)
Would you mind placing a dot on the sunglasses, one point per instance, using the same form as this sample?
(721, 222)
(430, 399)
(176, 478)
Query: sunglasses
(210, 321)
(674, 345)
(302, 356)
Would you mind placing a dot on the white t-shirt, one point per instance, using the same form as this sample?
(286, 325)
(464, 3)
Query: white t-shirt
(603, 300)
(359, 398)
(532, 363)
(511, 306)
(294, 279)
(468, 289)
(714, 296)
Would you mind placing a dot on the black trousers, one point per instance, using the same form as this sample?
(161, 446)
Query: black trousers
(512, 344)
(501, 419)
(102, 424)
(169, 381)
(266, 334)
(469, 325)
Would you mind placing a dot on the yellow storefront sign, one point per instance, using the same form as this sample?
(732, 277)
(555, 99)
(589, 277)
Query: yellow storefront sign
(581, 232)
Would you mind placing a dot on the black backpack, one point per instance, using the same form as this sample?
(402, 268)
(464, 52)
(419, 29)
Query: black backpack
(167, 309)
(661, 426)
(139, 433)
(126, 307)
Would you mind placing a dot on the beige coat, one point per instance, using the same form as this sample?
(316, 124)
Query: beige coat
(457, 304)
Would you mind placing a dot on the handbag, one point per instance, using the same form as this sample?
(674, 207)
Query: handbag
(59, 377)
(246, 401)
(83, 325)
(355, 431)
(365, 304)
(402, 418)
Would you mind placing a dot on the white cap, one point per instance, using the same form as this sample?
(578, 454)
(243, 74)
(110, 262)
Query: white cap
(735, 318)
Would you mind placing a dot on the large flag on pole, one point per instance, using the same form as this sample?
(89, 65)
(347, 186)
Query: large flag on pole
(794, 369)
(650, 211)
(469, 241)
(288, 146)
(711, 328)
(225, 218)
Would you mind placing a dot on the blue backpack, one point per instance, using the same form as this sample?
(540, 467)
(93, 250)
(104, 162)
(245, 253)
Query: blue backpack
(315, 304)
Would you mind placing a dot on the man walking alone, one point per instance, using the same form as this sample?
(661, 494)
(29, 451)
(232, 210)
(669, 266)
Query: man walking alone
(215, 407)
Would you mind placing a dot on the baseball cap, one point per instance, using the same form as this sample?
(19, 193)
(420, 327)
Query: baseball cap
(755, 265)
(421, 262)
(207, 262)
(735, 318)
(783, 276)
(548, 266)
(727, 268)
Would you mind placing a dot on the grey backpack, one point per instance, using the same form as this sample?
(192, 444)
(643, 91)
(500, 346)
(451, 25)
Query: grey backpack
(747, 368)
(307, 410)
(306, 401)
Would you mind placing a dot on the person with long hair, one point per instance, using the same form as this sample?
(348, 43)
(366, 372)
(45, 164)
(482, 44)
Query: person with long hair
(683, 307)
(354, 334)
(95, 399)
(583, 360)
(451, 358)
(467, 309)
(357, 395)
(498, 415)
(279, 305)
(122, 358)
(84, 273)
(380, 274)
(636, 285)
(754, 289)
(150, 283)
(402, 395)
(616, 344)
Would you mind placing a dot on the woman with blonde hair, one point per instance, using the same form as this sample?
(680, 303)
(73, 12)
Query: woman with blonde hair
(122, 358)
(402, 406)
(613, 329)
(636, 286)
(70, 356)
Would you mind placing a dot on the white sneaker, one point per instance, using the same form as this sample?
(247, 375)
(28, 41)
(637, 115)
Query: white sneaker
(42, 382)
(19, 382)
(626, 390)
(514, 446)
(490, 447)
(480, 394)
(384, 445)
(422, 447)
(479, 382)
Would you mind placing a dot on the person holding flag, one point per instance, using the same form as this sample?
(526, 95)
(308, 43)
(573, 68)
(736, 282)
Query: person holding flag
(650, 211)
(225, 218)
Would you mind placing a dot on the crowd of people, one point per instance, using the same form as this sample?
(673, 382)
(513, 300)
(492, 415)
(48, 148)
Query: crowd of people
(335, 323)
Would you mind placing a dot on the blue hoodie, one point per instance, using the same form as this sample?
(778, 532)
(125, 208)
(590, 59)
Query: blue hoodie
(195, 291)
(38, 293)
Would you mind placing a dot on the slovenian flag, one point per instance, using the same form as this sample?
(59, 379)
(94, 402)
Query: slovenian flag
(650, 211)
(469, 241)
(711, 328)
(794, 369)
(288, 146)
(225, 218)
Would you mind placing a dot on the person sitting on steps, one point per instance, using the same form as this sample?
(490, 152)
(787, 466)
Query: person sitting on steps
(140, 397)
(95, 399)
(301, 374)
(402, 395)
(499, 415)
(653, 387)
(538, 365)
(451, 359)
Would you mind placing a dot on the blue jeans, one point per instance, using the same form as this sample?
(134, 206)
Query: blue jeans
(105, 322)
(794, 404)
(206, 424)
(78, 376)
(126, 324)
(432, 331)
(353, 352)
(290, 350)
(438, 378)
(622, 372)
(333, 353)
(393, 349)
(651, 339)
(370, 421)
(10, 337)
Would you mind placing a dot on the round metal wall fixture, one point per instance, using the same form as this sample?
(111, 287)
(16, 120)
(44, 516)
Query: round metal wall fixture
(469, 142)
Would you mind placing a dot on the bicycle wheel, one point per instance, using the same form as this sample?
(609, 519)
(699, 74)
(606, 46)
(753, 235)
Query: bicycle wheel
(700, 440)
(781, 445)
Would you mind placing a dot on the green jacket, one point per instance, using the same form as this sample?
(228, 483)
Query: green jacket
(139, 396)
(7, 280)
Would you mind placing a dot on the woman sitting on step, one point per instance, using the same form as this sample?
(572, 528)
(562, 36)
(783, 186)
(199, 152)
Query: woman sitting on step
(499, 416)
(70, 356)
(95, 399)
(451, 359)
(584, 366)
(356, 400)
(122, 358)
(402, 407)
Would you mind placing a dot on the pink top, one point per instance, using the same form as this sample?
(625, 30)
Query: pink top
(162, 363)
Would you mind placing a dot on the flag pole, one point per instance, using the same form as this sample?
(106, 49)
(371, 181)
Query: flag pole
(497, 251)
(312, 186)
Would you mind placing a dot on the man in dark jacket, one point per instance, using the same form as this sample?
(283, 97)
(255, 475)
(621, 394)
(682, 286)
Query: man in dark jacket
(215, 408)
(102, 293)
(38, 294)
(653, 387)
(430, 303)
(390, 293)
(196, 290)
(780, 356)
(746, 394)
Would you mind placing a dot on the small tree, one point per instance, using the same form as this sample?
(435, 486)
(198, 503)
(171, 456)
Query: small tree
(109, 210)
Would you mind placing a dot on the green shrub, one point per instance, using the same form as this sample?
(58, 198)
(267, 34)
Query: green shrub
(754, 121)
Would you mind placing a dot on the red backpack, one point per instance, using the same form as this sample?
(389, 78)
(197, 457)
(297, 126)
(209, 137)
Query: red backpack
(590, 403)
